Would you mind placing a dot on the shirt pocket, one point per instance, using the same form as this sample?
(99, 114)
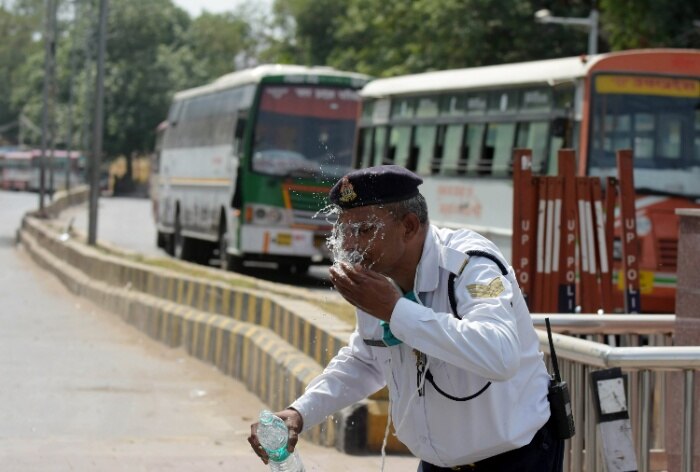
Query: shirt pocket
(389, 367)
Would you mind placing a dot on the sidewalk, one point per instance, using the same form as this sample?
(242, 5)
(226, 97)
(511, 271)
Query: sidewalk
(82, 391)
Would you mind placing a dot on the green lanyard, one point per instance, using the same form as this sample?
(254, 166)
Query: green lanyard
(388, 337)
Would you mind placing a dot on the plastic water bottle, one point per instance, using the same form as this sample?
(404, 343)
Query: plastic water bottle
(273, 435)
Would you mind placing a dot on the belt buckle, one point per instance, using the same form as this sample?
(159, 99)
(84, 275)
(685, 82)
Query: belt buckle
(465, 467)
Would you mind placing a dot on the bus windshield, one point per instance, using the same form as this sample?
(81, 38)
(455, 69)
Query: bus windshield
(305, 131)
(659, 119)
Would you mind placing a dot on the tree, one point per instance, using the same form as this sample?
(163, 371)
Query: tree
(305, 30)
(218, 40)
(138, 84)
(651, 23)
(392, 37)
(17, 28)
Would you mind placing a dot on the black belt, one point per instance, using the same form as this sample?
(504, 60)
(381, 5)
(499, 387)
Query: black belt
(433, 468)
(513, 460)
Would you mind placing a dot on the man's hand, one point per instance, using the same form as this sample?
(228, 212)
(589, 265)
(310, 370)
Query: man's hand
(294, 422)
(365, 289)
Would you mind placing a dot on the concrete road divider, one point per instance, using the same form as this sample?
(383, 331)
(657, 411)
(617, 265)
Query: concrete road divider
(275, 343)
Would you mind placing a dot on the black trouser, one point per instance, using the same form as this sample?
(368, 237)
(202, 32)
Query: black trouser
(543, 454)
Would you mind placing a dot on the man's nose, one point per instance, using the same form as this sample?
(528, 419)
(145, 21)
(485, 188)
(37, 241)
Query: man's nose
(350, 240)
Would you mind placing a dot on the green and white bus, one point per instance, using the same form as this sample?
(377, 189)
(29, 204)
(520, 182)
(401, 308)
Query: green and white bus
(246, 163)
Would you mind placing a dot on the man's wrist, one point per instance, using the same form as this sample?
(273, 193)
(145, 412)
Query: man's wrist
(301, 417)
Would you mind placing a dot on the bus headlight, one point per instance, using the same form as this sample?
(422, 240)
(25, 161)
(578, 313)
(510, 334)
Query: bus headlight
(266, 215)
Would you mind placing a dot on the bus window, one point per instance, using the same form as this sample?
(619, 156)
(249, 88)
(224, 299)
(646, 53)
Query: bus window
(644, 136)
(367, 110)
(503, 102)
(366, 147)
(476, 103)
(473, 147)
(379, 145)
(427, 107)
(651, 115)
(425, 143)
(533, 135)
(304, 130)
(618, 132)
(669, 137)
(452, 150)
(403, 108)
(399, 145)
(438, 150)
(536, 100)
(496, 158)
(453, 105)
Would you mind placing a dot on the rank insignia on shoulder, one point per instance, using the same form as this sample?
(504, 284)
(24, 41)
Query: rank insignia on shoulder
(491, 290)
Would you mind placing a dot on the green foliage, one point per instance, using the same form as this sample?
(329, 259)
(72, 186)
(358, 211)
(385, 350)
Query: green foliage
(16, 47)
(394, 37)
(155, 49)
(633, 24)
(218, 39)
(137, 85)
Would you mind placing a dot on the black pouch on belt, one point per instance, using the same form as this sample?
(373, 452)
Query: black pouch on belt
(562, 418)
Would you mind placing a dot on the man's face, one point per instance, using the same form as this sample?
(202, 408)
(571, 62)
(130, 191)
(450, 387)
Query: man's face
(370, 236)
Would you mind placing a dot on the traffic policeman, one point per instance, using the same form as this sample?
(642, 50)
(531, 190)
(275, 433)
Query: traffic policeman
(442, 323)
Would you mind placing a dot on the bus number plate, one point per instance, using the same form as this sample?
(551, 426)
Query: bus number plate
(284, 239)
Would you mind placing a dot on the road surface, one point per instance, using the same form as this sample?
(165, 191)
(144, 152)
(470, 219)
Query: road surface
(83, 391)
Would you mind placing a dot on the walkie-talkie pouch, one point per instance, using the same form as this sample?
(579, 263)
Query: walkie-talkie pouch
(561, 417)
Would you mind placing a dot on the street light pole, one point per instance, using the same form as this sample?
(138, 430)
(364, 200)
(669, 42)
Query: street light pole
(593, 33)
(97, 124)
(49, 51)
(591, 23)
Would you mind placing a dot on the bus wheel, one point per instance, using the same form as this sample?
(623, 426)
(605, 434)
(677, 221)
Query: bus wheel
(168, 242)
(224, 258)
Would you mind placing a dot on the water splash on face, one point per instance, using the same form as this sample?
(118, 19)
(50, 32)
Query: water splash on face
(367, 232)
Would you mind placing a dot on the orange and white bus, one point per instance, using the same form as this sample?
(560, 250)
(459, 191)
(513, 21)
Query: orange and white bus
(457, 129)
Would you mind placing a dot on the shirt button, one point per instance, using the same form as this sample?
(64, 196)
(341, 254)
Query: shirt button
(423, 439)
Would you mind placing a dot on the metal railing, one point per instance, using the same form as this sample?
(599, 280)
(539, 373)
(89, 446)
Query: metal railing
(641, 346)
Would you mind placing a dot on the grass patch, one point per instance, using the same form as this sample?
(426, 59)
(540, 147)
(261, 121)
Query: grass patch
(341, 310)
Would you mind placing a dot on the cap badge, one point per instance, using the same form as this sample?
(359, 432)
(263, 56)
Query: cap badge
(347, 191)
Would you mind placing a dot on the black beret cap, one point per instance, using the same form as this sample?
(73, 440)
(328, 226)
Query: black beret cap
(375, 185)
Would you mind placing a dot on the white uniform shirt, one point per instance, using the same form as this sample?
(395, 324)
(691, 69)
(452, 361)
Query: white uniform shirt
(493, 341)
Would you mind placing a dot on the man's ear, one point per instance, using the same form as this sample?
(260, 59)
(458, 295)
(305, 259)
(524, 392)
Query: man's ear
(411, 225)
